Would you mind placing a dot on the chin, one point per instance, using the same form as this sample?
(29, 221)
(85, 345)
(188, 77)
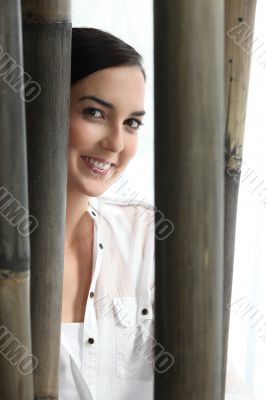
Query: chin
(96, 191)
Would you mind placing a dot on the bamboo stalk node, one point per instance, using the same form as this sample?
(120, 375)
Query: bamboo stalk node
(48, 12)
(46, 398)
(31, 18)
(233, 156)
(8, 274)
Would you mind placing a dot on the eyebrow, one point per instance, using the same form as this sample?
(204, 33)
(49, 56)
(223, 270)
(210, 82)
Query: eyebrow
(108, 105)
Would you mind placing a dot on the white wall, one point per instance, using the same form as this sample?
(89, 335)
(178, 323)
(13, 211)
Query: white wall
(247, 346)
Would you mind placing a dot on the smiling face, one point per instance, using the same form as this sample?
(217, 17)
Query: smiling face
(105, 114)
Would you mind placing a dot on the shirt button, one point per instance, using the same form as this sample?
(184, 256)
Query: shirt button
(91, 295)
(144, 311)
(101, 246)
(93, 213)
(91, 340)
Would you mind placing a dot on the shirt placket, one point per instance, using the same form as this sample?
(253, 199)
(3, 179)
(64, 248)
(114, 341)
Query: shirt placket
(90, 343)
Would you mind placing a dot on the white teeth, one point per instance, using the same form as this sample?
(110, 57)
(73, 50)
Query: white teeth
(97, 164)
(106, 166)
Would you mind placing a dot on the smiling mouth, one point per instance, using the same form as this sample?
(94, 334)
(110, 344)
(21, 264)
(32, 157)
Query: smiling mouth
(99, 163)
(98, 166)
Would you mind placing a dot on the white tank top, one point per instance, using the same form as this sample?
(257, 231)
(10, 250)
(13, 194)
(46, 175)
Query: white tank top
(73, 335)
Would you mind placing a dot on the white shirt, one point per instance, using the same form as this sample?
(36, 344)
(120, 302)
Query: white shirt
(116, 362)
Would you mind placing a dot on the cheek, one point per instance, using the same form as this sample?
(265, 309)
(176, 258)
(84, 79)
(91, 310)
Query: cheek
(77, 133)
(74, 129)
(131, 147)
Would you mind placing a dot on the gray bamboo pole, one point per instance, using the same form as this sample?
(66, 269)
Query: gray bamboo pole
(189, 146)
(47, 45)
(239, 25)
(15, 338)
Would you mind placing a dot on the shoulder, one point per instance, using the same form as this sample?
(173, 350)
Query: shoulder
(133, 209)
(128, 206)
(126, 217)
(139, 215)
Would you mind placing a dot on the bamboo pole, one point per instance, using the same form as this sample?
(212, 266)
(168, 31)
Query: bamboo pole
(189, 145)
(239, 26)
(47, 42)
(15, 339)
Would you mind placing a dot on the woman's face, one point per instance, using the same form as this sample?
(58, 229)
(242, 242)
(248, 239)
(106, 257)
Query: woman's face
(105, 113)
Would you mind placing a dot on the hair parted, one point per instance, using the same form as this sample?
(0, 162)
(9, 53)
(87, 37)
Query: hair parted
(94, 49)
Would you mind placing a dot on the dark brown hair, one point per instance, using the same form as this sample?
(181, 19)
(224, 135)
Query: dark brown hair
(94, 49)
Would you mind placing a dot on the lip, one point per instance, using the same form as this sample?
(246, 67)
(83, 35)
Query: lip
(95, 170)
(98, 159)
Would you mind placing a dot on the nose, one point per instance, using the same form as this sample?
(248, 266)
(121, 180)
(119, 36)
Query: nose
(114, 139)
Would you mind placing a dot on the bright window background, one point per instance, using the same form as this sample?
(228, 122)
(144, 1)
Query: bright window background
(131, 21)
(247, 343)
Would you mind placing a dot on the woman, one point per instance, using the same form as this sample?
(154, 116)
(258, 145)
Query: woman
(107, 309)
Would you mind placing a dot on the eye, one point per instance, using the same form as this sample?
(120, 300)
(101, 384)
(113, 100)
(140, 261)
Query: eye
(134, 123)
(93, 112)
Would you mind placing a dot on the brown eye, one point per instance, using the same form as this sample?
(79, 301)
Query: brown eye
(133, 123)
(94, 112)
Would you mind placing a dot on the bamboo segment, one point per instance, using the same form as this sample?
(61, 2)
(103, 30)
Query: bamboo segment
(189, 146)
(47, 45)
(16, 361)
(239, 25)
